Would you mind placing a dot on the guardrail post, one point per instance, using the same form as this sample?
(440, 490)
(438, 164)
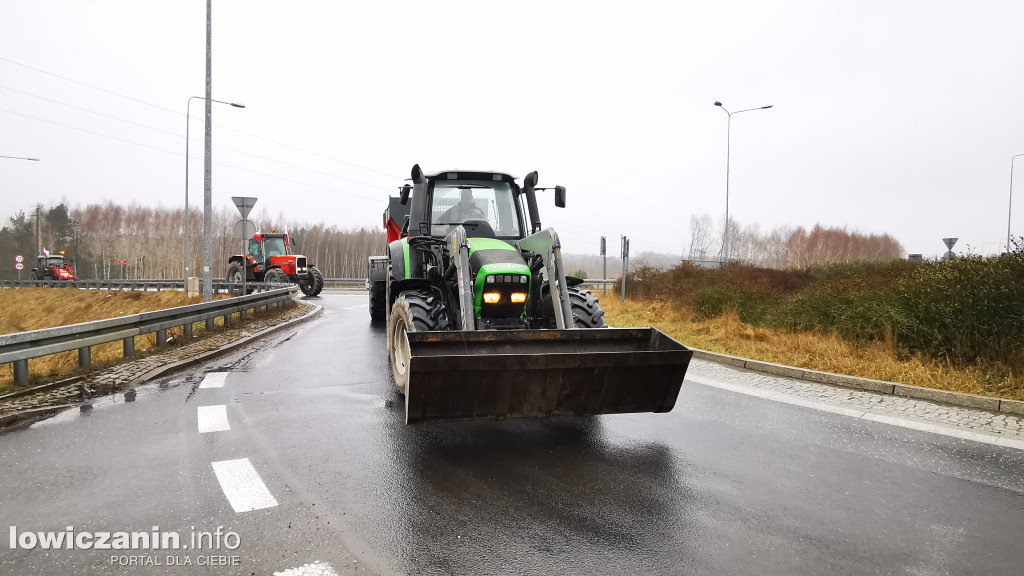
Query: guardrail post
(243, 314)
(161, 337)
(129, 347)
(84, 356)
(21, 372)
(209, 324)
(187, 331)
(227, 320)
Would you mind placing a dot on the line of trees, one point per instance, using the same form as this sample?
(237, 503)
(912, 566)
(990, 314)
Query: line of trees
(151, 241)
(787, 247)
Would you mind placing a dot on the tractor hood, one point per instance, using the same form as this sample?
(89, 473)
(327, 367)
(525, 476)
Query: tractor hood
(497, 267)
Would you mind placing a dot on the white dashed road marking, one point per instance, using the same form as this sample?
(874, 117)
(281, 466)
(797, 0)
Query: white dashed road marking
(213, 419)
(214, 380)
(242, 485)
(314, 569)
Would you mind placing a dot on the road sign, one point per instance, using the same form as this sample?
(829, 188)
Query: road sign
(949, 242)
(19, 258)
(19, 266)
(245, 229)
(244, 204)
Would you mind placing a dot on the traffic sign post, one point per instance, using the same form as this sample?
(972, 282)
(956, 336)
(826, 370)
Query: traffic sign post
(18, 265)
(949, 242)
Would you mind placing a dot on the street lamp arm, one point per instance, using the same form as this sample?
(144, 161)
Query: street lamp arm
(750, 109)
(21, 158)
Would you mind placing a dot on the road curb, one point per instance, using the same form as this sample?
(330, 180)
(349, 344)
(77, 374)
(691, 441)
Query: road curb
(34, 414)
(879, 386)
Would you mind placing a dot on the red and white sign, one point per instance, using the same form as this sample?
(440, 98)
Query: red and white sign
(19, 259)
(19, 266)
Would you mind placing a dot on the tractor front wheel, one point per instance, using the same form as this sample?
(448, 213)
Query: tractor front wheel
(276, 276)
(414, 311)
(314, 282)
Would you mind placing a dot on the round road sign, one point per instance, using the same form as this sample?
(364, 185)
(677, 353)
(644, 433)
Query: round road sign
(19, 259)
(19, 266)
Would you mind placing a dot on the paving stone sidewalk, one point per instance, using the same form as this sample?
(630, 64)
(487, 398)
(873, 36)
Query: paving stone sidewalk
(118, 376)
(971, 419)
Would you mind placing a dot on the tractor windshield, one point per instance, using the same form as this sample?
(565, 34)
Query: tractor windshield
(54, 261)
(486, 202)
(274, 247)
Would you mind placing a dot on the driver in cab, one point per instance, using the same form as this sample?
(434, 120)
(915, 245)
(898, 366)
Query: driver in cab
(463, 211)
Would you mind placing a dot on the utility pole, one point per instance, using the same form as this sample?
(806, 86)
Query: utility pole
(207, 169)
(39, 231)
(625, 264)
(604, 266)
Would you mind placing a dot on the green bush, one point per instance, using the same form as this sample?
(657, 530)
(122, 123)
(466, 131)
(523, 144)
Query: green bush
(964, 310)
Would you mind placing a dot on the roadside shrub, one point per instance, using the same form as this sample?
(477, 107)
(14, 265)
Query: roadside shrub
(967, 310)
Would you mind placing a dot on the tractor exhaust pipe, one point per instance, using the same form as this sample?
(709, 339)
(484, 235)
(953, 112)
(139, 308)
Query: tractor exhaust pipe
(529, 188)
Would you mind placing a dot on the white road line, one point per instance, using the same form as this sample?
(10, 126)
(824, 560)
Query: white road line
(214, 380)
(913, 424)
(242, 485)
(315, 569)
(213, 419)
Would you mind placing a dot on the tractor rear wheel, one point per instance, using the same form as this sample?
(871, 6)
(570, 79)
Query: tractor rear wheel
(413, 311)
(378, 300)
(234, 275)
(34, 275)
(586, 311)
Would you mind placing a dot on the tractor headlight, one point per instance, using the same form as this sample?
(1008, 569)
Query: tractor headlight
(492, 297)
(518, 297)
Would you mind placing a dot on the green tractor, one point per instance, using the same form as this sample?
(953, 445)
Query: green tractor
(482, 321)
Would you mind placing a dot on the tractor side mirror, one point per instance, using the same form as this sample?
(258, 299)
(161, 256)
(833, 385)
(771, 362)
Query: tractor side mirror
(560, 196)
(404, 196)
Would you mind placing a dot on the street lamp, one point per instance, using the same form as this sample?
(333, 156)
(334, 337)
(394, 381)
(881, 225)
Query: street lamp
(188, 117)
(728, 134)
(20, 158)
(1009, 211)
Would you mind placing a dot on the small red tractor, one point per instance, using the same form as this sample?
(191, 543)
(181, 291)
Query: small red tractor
(269, 258)
(52, 267)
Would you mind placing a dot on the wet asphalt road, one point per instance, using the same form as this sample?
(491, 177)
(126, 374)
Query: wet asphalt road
(725, 484)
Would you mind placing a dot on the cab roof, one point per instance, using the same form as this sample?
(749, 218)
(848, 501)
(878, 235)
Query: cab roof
(470, 175)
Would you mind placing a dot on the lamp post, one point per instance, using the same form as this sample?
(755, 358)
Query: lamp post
(188, 118)
(728, 135)
(1009, 211)
(20, 158)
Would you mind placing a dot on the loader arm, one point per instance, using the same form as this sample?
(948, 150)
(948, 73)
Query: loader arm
(458, 247)
(546, 244)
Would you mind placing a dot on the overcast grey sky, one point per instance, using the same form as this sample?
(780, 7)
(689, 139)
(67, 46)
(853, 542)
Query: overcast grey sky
(897, 117)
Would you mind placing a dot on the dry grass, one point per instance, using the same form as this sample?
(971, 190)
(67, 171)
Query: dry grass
(27, 309)
(812, 350)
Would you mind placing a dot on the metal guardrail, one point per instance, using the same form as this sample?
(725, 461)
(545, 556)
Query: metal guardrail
(220, 285)
(18, 348)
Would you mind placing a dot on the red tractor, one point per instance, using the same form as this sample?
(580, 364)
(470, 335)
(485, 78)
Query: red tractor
(269, 258)
(52, 267)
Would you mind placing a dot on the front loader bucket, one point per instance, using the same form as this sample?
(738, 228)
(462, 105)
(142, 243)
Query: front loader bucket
(491, 374)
